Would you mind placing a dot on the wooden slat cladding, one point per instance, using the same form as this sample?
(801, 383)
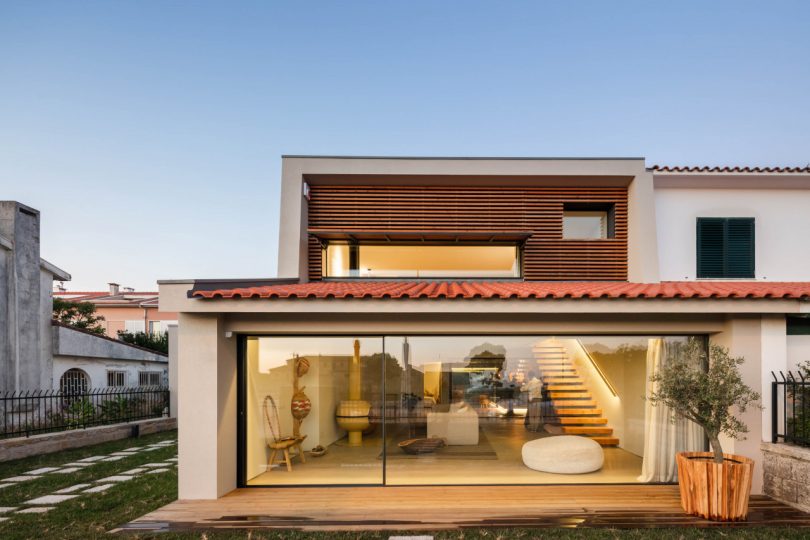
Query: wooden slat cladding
(546, 257)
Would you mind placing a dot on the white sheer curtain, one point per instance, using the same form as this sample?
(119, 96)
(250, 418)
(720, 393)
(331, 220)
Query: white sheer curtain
(663, 438)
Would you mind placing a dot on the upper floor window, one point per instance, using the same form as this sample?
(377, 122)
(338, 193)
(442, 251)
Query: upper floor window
(343, 259)
(725, 247)
(586, 221)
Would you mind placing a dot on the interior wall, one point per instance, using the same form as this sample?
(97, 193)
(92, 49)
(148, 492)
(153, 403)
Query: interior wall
(325, 384)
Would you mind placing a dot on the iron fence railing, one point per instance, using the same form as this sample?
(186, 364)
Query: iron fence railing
(790, 408)
(30, 412)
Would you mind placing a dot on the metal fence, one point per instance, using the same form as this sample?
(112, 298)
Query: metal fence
(30, 412)
(790, 408)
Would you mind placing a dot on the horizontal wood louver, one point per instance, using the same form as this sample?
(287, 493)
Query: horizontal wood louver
(538, 210)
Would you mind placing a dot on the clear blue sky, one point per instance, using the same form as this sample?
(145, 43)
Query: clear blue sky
(149, 133)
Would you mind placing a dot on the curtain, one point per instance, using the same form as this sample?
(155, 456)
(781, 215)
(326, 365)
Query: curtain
(663, 438)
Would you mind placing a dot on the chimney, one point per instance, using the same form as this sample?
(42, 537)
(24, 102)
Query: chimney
(128, 290)
(113, 289)
(60, 286)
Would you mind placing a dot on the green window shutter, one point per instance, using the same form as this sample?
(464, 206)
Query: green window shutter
(710, 234)
(740, 248)
(725, 247)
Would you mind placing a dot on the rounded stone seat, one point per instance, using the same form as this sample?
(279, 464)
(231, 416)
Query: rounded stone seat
(563, 454)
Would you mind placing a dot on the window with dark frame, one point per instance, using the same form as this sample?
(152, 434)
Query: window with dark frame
(725, 248)
(116, 379)
(150, 378)
(589, 221)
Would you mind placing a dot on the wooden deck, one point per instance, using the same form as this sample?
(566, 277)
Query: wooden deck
(425, 508)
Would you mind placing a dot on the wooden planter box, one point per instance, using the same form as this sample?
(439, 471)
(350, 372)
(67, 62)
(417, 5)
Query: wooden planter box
(715, 491)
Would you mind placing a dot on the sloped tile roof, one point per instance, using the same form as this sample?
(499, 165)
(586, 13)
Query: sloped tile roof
(515, 289)
(730, 170)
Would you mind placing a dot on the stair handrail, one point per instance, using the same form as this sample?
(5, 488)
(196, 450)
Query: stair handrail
(598, 369)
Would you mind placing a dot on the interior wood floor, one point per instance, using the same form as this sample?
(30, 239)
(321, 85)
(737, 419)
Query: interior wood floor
(449, 507)
(345, 465)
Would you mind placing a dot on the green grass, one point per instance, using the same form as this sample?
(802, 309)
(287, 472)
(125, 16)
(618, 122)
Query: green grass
(88, 517)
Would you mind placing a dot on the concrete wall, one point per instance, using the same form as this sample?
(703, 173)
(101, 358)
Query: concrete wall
(207, 408)
(780, 215)
(24, 365)
(72, 342)
(49, 443)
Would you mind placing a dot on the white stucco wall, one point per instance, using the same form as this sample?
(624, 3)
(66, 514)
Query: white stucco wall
(798, 351)
(97, 368)
(782, 216)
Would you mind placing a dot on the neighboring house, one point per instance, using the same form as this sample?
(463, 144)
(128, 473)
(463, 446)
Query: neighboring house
(37, 353)
(124, 309)
(492, 303)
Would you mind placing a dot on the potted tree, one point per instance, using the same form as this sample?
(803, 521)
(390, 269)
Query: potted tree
(713, 485)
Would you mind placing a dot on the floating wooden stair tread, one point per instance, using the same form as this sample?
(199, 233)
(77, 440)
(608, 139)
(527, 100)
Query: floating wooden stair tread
(578, 412)
(563, 403)
(587, 430)
(606, 441)
(577, 420)
(570, 395)
(574, 387)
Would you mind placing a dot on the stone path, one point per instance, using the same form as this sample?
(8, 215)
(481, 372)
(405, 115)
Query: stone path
(45, 503)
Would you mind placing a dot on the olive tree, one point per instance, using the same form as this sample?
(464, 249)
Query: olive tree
(706, 396)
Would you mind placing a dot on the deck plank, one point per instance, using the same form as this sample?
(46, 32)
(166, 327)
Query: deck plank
(449, 507)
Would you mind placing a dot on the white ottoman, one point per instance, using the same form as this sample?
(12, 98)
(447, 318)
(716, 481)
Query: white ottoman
(564, 454)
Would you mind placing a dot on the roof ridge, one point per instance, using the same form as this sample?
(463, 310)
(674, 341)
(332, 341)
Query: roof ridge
(730, 169)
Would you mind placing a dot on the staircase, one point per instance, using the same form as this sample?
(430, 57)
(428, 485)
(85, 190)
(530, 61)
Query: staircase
(576, 412)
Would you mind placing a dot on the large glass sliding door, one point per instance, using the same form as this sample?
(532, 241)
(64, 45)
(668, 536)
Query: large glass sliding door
(461, 409)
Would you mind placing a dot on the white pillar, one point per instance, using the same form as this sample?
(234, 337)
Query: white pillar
(207, 408)
(173, 357)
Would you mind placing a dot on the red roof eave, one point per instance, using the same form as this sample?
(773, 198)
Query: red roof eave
(516, 290)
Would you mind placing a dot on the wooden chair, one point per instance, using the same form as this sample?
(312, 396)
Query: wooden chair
(275, 442)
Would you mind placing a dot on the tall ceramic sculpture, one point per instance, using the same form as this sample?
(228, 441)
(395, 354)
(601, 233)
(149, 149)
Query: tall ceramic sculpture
(300, 405)
(352, 414)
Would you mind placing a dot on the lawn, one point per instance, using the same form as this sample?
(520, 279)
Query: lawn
(91, 515)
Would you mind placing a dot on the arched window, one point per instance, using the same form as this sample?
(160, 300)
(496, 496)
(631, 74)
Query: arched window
(73, 382)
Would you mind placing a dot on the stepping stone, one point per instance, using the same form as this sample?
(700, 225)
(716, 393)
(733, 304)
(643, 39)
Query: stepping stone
(71, 489)
(122, 453)
(2, 519)
(172, 459)
(20, 478)
(116, 478)
(51, 499)
(7, 509)
(77, 464)
(153, 465)
(35, 510)
(67, 470)
(91, 459)
(43, 470)
(113, 458)
(134, 471)
(7, 485)
(97, 489)
(153, 471)
(150, 448)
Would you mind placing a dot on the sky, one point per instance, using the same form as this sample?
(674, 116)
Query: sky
(150, 133)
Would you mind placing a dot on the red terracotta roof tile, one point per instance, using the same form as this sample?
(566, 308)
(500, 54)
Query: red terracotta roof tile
(516, 289)
(729, 170)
